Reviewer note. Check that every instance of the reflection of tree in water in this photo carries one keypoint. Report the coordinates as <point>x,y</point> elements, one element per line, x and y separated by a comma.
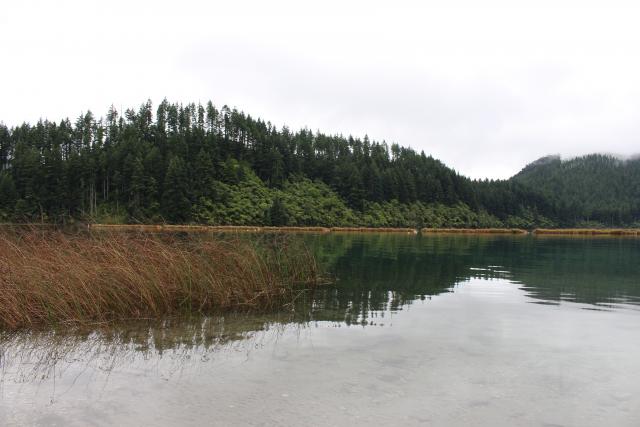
<point>601,271</point>
<point>381,272</point>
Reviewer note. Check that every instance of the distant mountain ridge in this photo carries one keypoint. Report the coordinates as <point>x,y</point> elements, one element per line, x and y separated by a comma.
<point>594,187</point>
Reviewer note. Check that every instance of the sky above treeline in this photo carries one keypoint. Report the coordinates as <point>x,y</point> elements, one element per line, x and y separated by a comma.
<point>484,86</point>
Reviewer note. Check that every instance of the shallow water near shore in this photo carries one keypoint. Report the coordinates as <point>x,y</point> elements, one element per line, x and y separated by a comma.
<point>436,330</point>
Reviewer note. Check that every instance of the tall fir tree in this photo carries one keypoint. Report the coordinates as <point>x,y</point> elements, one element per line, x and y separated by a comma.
<point>176,203</point>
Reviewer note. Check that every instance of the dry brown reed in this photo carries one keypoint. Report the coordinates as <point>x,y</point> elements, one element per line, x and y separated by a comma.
<point>373,230</point>
<point>205,228</point>
<point>474,230</point>
<point>238,228</point>
<point>271,229</point>
<point>151,228</point>
<point>51,277</point>
<point>588,231</point>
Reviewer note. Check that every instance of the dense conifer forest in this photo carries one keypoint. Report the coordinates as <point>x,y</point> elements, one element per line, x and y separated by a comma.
<point>199,164</point>
<point>593,191</point>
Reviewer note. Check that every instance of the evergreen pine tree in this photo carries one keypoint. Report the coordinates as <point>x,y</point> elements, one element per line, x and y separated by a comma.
<point>278,214</point>
<point>176,204</point>
<point>7,195</point>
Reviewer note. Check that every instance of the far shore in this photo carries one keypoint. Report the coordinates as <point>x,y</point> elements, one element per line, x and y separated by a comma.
<point>474,230</point>
<point>588,231</point>
<point>156,228</point>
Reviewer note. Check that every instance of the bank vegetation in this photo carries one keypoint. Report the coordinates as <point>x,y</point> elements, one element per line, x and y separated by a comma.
<point>51,277</point>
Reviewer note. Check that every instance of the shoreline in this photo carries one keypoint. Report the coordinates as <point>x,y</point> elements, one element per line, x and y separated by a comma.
<point>473,231</point>
<point>159,228</point>
<point>586,232</point>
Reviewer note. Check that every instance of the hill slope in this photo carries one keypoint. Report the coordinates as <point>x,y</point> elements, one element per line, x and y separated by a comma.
<point>595,187</point>
<point>197,163</point>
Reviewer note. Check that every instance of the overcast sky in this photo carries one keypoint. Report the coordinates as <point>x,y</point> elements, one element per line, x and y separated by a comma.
<point>484,86</point>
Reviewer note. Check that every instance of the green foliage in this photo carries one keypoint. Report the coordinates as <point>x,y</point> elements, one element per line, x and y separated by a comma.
<point>175,199</point>
<point>7,195</point>
<point>106,214</point>
<point>595,189</point>
<point>242,203</point>
<point>418,215</point>
<point>315,204</point>
<point>200,164</point>
<point>277,214</point>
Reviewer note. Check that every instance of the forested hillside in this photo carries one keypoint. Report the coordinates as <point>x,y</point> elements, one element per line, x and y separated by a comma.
<point>600,189</point>
<point>199,164</point>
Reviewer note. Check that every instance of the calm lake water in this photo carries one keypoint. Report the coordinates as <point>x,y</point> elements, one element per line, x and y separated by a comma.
<point>438,330</point>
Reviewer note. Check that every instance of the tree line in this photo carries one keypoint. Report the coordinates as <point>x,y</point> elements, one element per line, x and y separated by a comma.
<point>197,163</point>
<point>594,190</point>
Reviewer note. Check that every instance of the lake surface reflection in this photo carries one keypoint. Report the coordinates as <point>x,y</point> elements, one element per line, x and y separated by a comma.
<point>438,330</point>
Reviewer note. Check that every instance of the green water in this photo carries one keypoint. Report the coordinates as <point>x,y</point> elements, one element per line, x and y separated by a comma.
<point>394,270</point>
<point>437,330</point>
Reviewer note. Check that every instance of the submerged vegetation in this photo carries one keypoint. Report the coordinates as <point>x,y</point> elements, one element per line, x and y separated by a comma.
<point>52,277</point>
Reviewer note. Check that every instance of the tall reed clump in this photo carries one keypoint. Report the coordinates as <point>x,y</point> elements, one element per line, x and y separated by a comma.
<point>52,277</point>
